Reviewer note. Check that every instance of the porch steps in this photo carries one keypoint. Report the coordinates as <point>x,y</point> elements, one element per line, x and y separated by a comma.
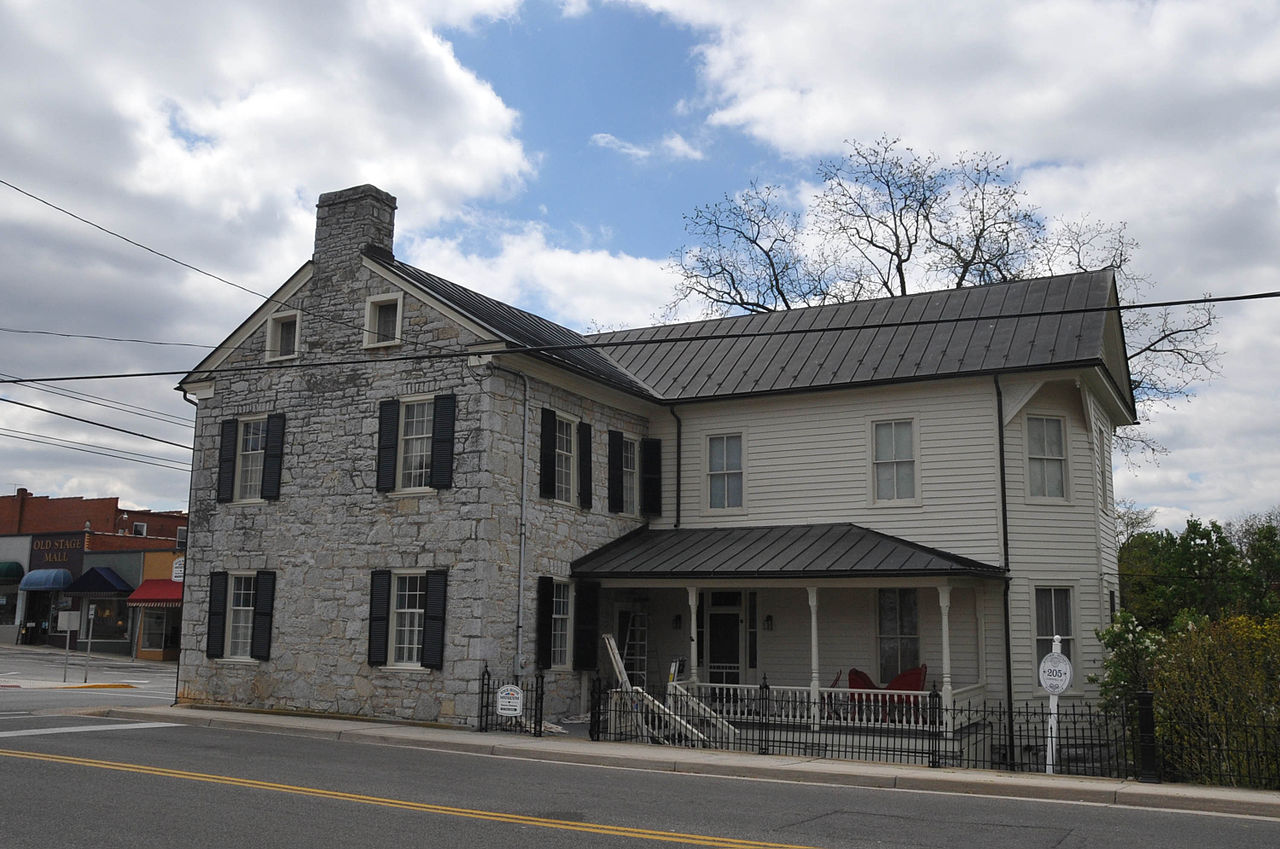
<point>650,718</point>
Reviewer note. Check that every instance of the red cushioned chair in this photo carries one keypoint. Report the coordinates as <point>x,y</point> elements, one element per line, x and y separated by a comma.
<point>906,708</point>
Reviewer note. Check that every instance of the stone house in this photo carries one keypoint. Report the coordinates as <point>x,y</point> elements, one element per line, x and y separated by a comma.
<point>398,481</point>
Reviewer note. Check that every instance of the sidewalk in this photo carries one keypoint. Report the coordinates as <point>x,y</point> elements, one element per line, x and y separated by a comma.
<point>1105,791</point>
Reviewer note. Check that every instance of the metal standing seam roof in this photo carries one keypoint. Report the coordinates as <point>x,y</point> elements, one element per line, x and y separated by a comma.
<point>521,328</point>
<point>777,551</point>
<point>976,330</point>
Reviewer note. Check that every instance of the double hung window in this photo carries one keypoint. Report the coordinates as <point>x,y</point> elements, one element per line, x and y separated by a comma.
<point>564,460</point>
<point>240,615</point>
<point>894,460</point>
<point>630,476</point>
<point>899,638</point>
<point>724,471</point>
<point>415,444</point>
<point>282,336</point>
<point>251,453</point>
<point>560,607</point>
<point>1046,458</point>
<point>382,318</point>
<point>407,616</point>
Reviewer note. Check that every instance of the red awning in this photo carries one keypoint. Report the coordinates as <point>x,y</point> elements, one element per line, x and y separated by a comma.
<point>157,592</point>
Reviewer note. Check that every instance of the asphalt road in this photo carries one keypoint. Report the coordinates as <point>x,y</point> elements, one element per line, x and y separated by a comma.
<point>86,781</point>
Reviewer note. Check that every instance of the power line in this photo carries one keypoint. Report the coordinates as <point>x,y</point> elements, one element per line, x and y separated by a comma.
<point>189,266</point>
<point>109,403</point>
<point>96,424</point>
<point>670,340</point>
<point>105,338</point>
<point>45,437</point>
<point>186,469</point>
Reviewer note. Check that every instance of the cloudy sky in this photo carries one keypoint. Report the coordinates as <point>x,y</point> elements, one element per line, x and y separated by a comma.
<point>544,153</point>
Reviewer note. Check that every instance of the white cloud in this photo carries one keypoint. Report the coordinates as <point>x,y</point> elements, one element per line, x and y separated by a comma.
<point>580,289</point>
<point>611,142</point>
<point>672,146</point>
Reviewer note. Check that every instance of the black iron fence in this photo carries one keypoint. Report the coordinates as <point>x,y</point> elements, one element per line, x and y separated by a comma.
<point>512,704</point>
<point>911,730</point>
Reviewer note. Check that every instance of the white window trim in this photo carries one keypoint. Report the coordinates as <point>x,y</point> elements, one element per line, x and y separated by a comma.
<point>1065,498</point>
<point>371,305</point>
<point>568,624</point>
<point>237,497</point>
<point>1074,607</point>
<point>393,616</point>
<point>635,483</point>
<point>707,509</point>
<point>573,421</point>
<point>231,595</point>
<point>273,335</point>
<point>404,402</point>
<point>134,529</point>
<point>872,501</point>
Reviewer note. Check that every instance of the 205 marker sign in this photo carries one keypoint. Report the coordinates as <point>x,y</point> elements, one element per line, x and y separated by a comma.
<point>1055,673</point>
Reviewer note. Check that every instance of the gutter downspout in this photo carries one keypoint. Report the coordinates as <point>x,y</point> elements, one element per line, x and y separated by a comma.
<point>517,662</point>
<point>679,463</point>
<point>1004,533</point>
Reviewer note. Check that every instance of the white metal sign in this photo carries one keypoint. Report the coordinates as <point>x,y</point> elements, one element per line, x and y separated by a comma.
<point>510,701</point>
<point>1055,673</point>
<point>179,568</point>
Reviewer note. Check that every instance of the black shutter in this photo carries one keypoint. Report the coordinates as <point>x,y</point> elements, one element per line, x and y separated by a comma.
<point>379,615</point>
<point>586,625</point>
<point>443,411</point>
<point>651,477</point>
<point>264,601</point>
<point>217,635</point>
<point>227,460</point>
<point>273,457</point>
<point>433,620</point>
<point>615,471</point>
<point>547,455</point>
<point>388,442</point>
<point>584,465</point>
<point>546,604</point>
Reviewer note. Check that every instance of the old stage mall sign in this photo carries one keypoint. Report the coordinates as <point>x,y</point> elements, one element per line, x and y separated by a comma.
<point>58,551</point>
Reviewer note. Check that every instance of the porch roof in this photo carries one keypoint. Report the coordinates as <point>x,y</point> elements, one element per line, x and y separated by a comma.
<point>779,551</point>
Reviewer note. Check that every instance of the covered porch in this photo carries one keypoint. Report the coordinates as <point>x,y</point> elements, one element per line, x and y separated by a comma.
<point>826,625</point>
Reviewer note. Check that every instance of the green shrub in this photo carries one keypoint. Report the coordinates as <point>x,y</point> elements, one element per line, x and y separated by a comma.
<point>1217,699</point>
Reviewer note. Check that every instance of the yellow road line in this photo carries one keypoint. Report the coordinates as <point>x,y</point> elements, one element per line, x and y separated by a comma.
<point>422,807</point>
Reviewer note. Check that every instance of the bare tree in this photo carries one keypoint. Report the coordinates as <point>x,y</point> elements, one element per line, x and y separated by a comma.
<point>889,221</point>
<point>751,255</point>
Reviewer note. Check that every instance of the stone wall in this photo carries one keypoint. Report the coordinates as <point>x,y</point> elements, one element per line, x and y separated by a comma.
<point>330,528</point>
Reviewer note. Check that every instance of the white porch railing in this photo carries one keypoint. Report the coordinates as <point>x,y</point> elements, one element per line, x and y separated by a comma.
<point>898,709</point>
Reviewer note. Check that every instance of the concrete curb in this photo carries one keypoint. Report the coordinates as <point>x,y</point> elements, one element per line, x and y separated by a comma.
<point>1101,791</point>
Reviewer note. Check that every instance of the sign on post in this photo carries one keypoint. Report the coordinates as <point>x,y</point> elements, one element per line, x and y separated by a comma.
<point>1055,677</point>
<point>510,701</point>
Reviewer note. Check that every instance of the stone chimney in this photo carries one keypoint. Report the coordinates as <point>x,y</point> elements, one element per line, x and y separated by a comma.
<point>351,220</point>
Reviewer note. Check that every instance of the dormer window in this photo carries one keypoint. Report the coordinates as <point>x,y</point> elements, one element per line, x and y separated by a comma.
<point>282,336</point>
<point>382,318</point>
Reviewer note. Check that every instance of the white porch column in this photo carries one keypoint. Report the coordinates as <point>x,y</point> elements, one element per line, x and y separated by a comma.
<point>693,634</point>
<point>944,605</point>
<point>813,655</point>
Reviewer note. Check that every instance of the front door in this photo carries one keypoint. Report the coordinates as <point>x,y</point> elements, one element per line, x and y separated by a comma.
<point>724,638</point>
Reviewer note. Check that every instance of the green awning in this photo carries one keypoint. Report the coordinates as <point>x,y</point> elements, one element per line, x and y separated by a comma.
<point>11,572</point>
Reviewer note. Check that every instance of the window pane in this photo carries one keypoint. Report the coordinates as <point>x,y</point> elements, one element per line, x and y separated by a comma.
<point>1054,485</point>
<point>884,482</point>
<point>888,600</point>
<point>715,454</point>
<point>288,332</point>
<point>1035,469</point>
<point>733,453</point>
<point>252,443</point>
<point>903,448</point>
<point>717,491</point>
<point>884,441</point>
<point>906,479</point>
<point>907,613</point>
<point>733,494</point>
<point>628,476</point>
<point>386,322</point>
<point>560,625</point>
<point>1062,611</point>
<point>1053,438</point>
<point>1035,437</point>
